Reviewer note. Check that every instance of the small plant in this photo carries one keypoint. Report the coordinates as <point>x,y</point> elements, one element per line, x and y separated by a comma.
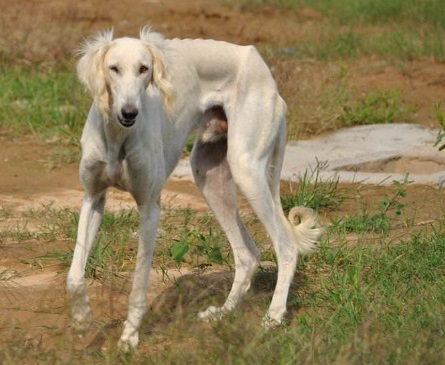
<point>392,202</point>
<point>201,247</point>
<point>311,191</point>
<point>112,252</point>
<point>377,107</point>
<point>5,212</point>
<point>18,233</point>
<point>379,219</point>
<point>189,145</point>
<point>440,117</point>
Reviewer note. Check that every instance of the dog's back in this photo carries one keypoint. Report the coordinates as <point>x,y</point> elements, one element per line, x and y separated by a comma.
<point>214,60</point>
<point>223,69</point>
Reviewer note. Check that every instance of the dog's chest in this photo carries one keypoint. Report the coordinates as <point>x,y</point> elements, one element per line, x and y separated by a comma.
<point>116,174</point>
<point>115,167</point>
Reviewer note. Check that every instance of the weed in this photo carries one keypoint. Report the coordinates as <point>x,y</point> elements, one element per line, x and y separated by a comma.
<point>335,108</point>
<point>5,212</point>
<point>392,202</point>
<point>376,107</point>
<point>311,191</point>
<point>378,219</point>
<point>56,223</point>
<point>202,249</point>
<point>166,277</point>
<point>382,12</point>
<point>114,250</point>
<point>111,254</point>
<point>349,303</point>
<point>17,233</point>
<point>440,117</point>
<point>48,103</point>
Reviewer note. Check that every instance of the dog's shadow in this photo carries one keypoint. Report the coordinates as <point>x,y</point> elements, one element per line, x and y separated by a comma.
<point>194,292</point>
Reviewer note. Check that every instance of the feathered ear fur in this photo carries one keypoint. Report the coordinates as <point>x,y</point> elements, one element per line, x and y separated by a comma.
<point>90,67</point>
<point>156,45</point>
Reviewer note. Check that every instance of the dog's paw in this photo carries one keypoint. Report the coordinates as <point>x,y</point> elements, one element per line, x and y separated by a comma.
<point>129,339</point>
<point>82,321</point>
<point>269,323</point>
<point>128,344</point>
<point>212,314</point>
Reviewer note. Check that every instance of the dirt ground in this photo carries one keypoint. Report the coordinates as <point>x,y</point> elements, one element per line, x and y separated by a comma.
<point>34,312</point>
<point>32,296</point>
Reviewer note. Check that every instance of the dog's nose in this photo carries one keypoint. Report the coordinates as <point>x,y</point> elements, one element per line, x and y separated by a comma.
<point>129,112</point>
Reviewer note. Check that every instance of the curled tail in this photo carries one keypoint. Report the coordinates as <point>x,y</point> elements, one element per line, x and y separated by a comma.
<point>306,232</point>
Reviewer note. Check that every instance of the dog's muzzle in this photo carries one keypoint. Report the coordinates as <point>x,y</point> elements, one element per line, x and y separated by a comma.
<point>129,114</point>
<point>127,123</point>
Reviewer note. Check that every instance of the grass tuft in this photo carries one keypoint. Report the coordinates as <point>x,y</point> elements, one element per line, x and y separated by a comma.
<point>380,217</point>
<point>311,191</point>
<point>377,107</point>
<point>46,102</point>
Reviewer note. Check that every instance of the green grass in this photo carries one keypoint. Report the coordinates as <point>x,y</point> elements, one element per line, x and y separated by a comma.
<point>373,12</point>
<point>329,103</point>
<point>406,29</point>
<point>378,218</point>
<point>379,304</point>
<point>377,300</point>
<point>47,102</point>
<point>115,247</point>
<point>195,243</point>
<point>380,11</point>
<point>392,43</point>
<point>314,192</point>
<point>377,107</point>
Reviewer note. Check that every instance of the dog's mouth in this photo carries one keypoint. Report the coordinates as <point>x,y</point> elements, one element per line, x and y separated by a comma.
<point>127,123</point>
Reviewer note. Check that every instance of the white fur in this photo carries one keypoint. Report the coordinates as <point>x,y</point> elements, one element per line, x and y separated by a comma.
<point>149,95</point>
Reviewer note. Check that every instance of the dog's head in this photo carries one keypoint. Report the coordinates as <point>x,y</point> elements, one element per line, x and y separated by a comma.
<point>117,72</point>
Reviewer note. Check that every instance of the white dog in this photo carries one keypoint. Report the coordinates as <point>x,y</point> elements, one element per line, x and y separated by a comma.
<point>149,95</point>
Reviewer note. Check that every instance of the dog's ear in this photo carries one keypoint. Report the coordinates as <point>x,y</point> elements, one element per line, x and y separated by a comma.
<point>156,46</point>
<point>90,68</point>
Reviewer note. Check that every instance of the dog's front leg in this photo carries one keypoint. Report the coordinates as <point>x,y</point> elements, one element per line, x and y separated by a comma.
<point>89,221</point>
<point>137,302</point>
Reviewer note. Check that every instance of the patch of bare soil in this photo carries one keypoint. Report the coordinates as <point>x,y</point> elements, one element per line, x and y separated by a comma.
<point>420,83</point>
<point>401,165</point>
<point>27,182</point>
<point>182,19</point>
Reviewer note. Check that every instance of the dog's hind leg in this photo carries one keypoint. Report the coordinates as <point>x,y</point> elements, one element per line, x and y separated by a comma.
<point>255,163</point>
<point>213,177</point>
<point>89,221</point>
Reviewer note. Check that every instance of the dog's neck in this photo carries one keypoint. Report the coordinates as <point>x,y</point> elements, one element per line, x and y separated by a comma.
<point>115,136</point>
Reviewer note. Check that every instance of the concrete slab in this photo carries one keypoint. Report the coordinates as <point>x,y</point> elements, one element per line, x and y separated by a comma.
<point>374,154</point>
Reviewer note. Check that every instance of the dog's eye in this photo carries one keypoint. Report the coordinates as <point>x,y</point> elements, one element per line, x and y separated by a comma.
<point>114,69</point>
<point>143,69</point>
